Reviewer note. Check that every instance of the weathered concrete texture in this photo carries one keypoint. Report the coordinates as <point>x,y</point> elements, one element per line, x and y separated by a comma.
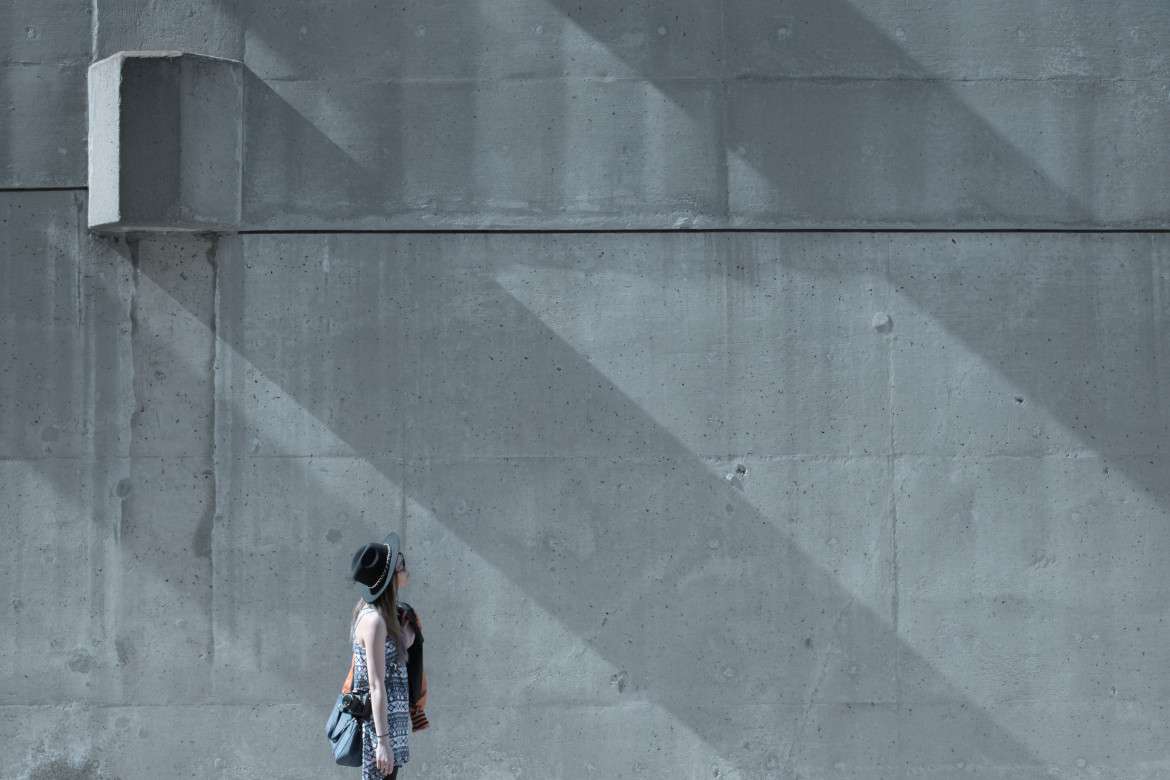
<point>44,51</point>
<point>913,573</point>
<point>64,307</point>
<point>1074,342</point>
<point>76,742</point>
<point>165,138</point>
<point>621,154</point>
<point>417,40</point>
<point>814,114</point>
<point>377,155</point>
<point>741,505</point>
<point>948,40</point>
<point>281,616</point>
<point>981,154</point>
<point>65,383</point>
<point>42,121</point>
<point>565,470</point>
<point>209,27</point>
<point>106,434</point>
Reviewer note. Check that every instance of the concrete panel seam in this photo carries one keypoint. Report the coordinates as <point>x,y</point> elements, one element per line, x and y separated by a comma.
<point>43,189</point>
<point>811,700</point>
<point>1096,230</point>
<point>741,78</point>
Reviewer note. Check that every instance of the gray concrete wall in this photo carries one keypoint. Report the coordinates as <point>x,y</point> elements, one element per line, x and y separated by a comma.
<point>942,558</point>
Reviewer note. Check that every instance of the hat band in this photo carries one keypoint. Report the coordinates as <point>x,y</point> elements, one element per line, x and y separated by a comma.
<point>385,570</point>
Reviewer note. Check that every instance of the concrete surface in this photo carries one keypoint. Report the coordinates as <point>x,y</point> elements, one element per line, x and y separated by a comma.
<point>164,140</point>
<point>742,114</point>
<point>44,53</point>
<point>944,549</point>
<point>737,114</point>
<point>816,504</point>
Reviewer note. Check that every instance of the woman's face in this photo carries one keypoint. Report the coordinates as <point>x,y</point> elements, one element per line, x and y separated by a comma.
<point>401,572</point>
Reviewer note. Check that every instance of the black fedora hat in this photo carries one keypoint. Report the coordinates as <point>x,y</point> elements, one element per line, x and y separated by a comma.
<point>373,566</point>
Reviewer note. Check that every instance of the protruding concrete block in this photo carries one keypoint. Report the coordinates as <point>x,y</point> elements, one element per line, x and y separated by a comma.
<point>165,143</point>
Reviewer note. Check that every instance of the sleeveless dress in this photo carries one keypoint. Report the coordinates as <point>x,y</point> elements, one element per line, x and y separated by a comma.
<point>397,711</point>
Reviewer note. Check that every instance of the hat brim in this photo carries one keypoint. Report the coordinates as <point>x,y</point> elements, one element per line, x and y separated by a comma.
<point>370,596</point>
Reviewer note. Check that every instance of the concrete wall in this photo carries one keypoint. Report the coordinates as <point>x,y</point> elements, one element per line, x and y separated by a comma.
<point>943,555</point>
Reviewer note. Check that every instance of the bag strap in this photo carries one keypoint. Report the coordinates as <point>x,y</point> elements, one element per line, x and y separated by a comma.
<point>348,687</point>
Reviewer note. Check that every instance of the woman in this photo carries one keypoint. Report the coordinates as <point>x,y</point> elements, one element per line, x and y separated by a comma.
<point>387,648</point>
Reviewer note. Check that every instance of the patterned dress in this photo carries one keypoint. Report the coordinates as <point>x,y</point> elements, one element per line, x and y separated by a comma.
<point>397,712</point>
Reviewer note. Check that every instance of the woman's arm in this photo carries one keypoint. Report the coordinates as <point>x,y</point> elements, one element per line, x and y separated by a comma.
<point>373,636</point>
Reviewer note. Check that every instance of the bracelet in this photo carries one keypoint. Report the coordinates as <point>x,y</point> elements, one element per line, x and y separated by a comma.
<point>381,736</point>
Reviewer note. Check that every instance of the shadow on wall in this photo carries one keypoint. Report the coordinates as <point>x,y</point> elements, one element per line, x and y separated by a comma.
<point>918,149</point>
<point>812,118</point>
<point>547,470</point>
<point>487,377</point>
<point>481,384</point>
<point>830,122</point>
<point>839,139</point>
<point>290,164</point>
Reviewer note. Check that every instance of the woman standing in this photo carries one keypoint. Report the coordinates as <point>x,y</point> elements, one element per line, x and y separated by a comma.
<point>385,637</point>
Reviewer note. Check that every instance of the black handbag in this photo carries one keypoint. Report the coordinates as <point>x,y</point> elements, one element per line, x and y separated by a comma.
<point>345,735</point>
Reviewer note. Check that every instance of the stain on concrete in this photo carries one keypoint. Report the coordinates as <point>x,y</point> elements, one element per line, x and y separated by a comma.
<point>64,768</point>
<point>125,487</point>
<point>80,661</point>
<point>201,541</point>
<point>124,648</point>
<point>50,434</point>
<point>333,536</point>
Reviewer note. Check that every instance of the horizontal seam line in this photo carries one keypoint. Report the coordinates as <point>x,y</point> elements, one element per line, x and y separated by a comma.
<point>562,231</point>
<point>740,78</point>
<point>44,189</point>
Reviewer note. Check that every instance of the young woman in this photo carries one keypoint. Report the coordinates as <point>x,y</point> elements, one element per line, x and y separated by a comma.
<point>387,648</point>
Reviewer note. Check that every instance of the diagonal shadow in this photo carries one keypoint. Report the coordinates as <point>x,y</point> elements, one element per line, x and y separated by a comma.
<point>808,120</point>
<point>133,487</point>
<point>291,164</point>
<point>522,448</point>
<point>502,421</point>
<point>600,435</point>
<point>103,455</point>
<point>833,125</point>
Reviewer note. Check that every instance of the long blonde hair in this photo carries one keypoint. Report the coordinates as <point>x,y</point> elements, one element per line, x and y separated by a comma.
<point>387,606</point>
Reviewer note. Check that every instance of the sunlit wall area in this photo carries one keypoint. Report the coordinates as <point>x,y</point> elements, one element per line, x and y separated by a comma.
<point>761,390</point>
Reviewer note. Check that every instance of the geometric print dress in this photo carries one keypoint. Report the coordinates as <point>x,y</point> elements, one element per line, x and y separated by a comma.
<point>397,711</point>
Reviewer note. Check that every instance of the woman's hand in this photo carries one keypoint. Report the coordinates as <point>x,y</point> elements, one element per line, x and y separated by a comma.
<point>385,757</point>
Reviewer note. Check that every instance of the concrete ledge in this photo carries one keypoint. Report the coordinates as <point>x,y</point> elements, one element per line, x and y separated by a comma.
<point>165,143</point>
